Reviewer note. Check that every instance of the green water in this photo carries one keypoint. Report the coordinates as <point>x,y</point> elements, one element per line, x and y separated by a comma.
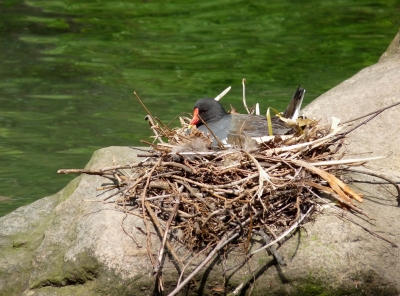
<point>68,70</point>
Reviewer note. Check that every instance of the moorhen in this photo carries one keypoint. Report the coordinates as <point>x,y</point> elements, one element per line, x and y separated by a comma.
<point>227,127</point>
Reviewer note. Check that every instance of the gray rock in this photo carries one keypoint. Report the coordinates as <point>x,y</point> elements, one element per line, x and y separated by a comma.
<point>21,233</point>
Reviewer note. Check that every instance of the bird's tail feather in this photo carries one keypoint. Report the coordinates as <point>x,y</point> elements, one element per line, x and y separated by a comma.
<point>293,109</point>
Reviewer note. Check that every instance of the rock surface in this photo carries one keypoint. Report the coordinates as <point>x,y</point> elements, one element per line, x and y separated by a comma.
<point>74,243</point>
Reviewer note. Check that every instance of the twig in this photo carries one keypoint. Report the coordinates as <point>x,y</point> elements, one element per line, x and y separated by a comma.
<point>146,206</point>
<point>368,230</point>
<point>194,194</point>
<point>131,236</point>
<point>261,268</point>
<point>345,161</point>
<point>80,171</point>
<point>217,98</point>
<point>295,225</point>
<point>362,123</point>
<point>244,95</point>
<point>228,237</point>
<point>381,177</point>
<point>143,105</point>
<point>160,230</point>
<point>149,163</point>
<point>227,185</point>
<point>380,111</point>
<point>343,216</point>
<point>220,144</point>
<point>263,176</point>
<point>157,269</point>
<point>215,213</point>
<point>309,145</point>
<point>138,180</point>
<point>149,118</point>
<point>267,240</point>
<point>186,265</point>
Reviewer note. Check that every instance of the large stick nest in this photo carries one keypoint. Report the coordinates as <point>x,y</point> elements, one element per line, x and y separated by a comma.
<point>212,191</point>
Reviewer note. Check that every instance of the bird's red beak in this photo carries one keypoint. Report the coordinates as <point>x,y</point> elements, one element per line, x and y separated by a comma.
<point>195,118</point>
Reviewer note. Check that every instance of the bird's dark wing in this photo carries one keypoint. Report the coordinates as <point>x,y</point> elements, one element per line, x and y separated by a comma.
<point>256,126</point>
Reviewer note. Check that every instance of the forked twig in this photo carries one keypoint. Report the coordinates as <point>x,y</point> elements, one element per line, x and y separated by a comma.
<point>381,177</point>
<point>380,111</point>
<point>342,215</point>
<point>295,225</point>
<point>374,114</point>
<point>149,118</point>
<point>223,242</point>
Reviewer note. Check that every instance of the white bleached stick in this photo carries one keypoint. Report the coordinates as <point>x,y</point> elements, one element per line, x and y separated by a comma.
<point>346,161</point>
<point>217,98</point>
